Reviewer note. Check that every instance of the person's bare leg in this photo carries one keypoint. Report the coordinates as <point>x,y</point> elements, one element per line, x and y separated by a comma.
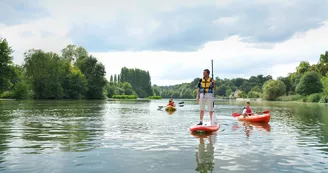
<point>201,115</point>
<point>211,115</point>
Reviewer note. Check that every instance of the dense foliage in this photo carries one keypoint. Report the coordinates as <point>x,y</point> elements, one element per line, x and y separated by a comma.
<point>75,74</point>
<point>139,79</point>
<point>273,89</point>
<point>6,68</point>
<point>225,87</point>
<point>72,75</point>
<point>307,83</point>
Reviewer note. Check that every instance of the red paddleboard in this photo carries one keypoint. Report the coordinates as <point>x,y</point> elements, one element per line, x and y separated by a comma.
<point>205,128</point>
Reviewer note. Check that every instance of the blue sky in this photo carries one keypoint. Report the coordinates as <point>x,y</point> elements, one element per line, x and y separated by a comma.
<point>174,40</point>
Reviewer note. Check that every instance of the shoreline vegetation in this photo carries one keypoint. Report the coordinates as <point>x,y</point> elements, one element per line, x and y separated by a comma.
<point>75,74</point>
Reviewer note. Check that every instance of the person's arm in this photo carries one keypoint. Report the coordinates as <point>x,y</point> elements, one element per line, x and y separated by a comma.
<point>244,111</point>
<point>214,86</point>
<point>198,94</point>
<point>198,91</point>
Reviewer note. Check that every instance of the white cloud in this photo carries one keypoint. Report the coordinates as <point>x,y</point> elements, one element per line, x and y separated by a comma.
<point>226,20</point>
<point>21,42</point>
<point>232,58</point>
<point>228,54</point>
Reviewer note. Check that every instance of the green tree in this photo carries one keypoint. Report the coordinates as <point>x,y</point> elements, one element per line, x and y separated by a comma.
<point>72,53</point>
<point>287,82</point>
<point>228,92</point>
<point>5,65</point>
<point>128,89</point>
<point>303,67</point>
<point>253,94</point>
<point>324,82</point>
<point>75,84</point>
<point>115,78</point>
<point>238,82</point>
<point>156,91</point>
<point>111,78</point>
<point>324,58</point>
<point>20,85</point>
<point>95,75</point>
<point>257,89</point>
<point>273,89</point>
<point>246,86</point>
<point>322,66</point>
<point>221,90</point>
<point>310,83</point>
<point>139,79</point>
<point>46,72</point>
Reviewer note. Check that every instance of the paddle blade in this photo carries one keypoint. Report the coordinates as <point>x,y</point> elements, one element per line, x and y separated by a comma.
<point>181,103</point>
<point>266,111</point>
<point>236,114</point>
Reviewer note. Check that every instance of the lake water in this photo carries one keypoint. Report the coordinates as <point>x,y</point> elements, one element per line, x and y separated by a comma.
<point>135,137</point>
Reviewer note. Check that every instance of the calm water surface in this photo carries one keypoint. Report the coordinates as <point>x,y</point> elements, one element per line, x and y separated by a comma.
<point>133,136</point>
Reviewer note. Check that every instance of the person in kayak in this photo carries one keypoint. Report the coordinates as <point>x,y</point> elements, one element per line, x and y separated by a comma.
<point>247,110</point>
<point>205,95</point>
<point>171,103</point>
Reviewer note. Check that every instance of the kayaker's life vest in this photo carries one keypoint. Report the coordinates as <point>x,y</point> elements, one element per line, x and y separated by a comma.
<point>171,104</point>
<point>248,110</point>
<point>206,86</point>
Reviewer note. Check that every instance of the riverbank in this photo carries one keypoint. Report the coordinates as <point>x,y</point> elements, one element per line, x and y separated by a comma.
<point>6,99</point>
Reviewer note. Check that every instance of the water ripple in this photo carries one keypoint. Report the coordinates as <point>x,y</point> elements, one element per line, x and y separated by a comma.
<point>136,137</point>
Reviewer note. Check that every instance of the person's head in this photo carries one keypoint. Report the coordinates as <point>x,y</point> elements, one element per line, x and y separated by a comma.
<point>171,100</point>
<point>247,104</point>
<point>206,72</point>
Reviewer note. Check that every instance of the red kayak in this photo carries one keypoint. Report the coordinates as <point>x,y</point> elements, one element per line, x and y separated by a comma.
<point>204,128</point>
<point>264,118</point>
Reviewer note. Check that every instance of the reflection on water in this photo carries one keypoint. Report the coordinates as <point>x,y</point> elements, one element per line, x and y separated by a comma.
<point>133,136</point>
<point>205,154</point>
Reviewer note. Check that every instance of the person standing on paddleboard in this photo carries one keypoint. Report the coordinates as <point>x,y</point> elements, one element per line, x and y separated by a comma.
<point>205,95</point>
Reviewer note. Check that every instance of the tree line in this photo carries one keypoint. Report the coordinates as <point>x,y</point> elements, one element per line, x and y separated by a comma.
<point>251,87</point>
<point>309,83</point>
<point>73,74</point>
<point>139,80</point>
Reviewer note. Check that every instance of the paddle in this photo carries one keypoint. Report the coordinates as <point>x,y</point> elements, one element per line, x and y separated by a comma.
<point>236,114</point>
<point>180,105</point>
<point>214,84</point>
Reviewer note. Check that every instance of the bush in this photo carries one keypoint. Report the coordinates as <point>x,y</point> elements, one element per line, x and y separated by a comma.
<point>296,97</point>
<point>324,99</point>
<point>254,94</point>
<point>273,89</point>
<point>316,97</point>
<point>124,96</point>
<point>310,83</point>
<point>154,97</point>
<point>8,95</point>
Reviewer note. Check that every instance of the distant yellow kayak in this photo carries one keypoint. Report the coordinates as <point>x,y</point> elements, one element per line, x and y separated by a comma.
<point>170,108</point>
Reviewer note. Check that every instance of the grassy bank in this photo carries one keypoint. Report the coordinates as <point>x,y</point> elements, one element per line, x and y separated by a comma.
<point>124,97</point>
<point>313,98</point>
<point>155,97</point>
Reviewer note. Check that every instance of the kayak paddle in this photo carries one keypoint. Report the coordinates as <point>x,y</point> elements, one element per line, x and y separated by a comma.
<point>236,114</point>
